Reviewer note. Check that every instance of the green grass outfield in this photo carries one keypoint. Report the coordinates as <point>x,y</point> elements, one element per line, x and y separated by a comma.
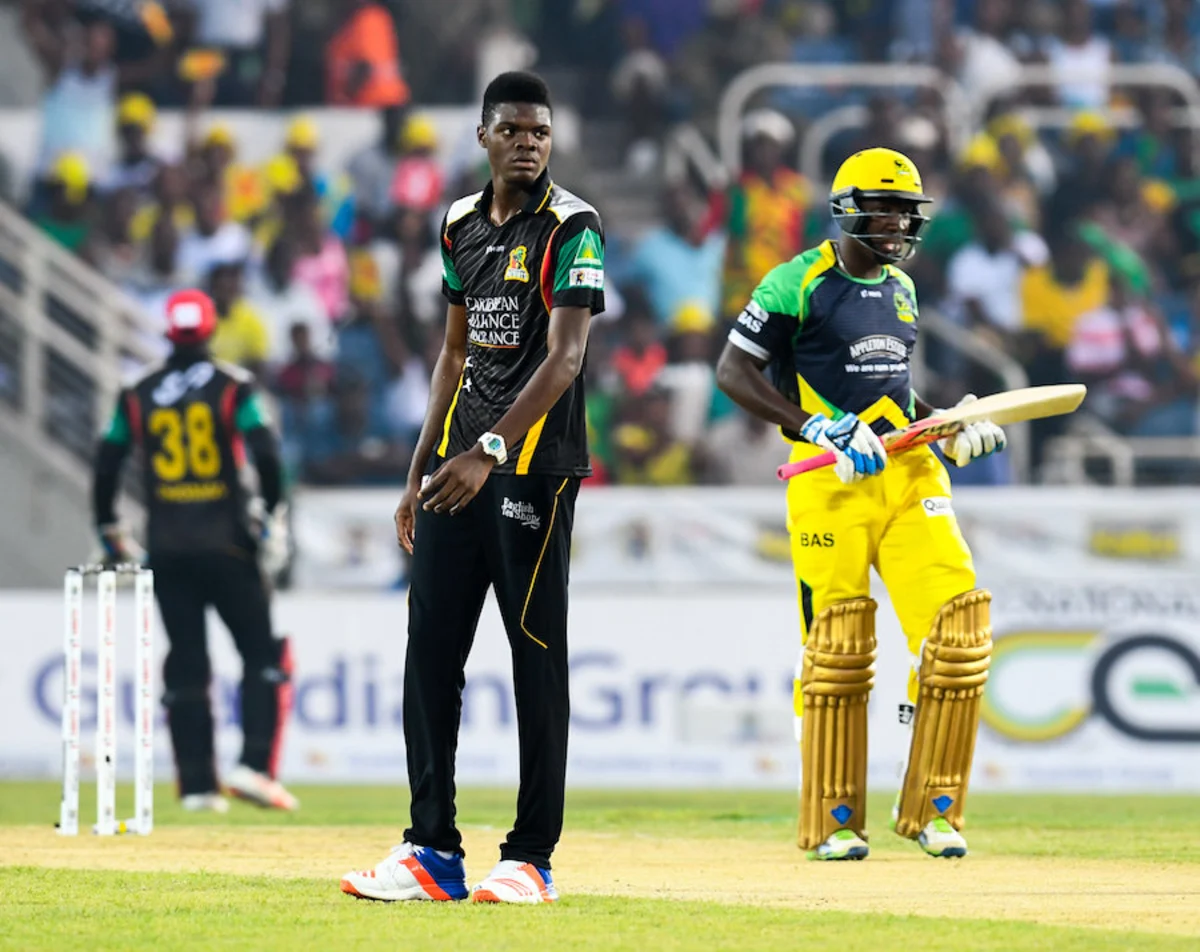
<point>645,871</point>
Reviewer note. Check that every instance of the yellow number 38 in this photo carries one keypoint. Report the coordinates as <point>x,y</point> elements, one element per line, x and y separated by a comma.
<point>187,443</point>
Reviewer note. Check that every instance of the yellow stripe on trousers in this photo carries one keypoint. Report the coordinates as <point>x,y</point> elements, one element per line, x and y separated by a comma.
<point>529,446</point>
<point>442,447</point>
<point>538,566</point>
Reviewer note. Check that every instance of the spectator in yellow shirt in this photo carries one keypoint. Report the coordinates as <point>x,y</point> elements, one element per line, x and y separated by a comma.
<point>241,337</point>
<point>1053,299</point>
<point>1055,296</point>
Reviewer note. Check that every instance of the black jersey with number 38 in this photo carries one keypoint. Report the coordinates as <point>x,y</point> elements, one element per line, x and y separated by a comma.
<point>509,277</point>
<point>188,417</point>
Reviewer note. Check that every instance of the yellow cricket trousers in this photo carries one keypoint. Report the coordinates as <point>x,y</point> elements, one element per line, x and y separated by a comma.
<point>901,522</point>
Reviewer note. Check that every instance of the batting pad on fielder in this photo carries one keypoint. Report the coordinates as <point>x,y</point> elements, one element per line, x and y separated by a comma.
<point>954,668</point>
<point>837,673</point>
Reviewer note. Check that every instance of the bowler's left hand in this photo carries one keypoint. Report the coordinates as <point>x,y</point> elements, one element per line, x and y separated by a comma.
<point>456,482</point>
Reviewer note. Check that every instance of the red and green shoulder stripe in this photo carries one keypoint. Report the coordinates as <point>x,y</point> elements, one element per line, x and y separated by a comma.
<point>573,267</point>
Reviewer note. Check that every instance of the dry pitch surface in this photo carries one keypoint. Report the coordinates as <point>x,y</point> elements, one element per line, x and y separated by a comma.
<point>1140,896</point>
<point>1105,865</point>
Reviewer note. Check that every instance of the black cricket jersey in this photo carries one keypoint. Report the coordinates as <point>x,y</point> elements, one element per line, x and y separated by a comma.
<point>835,344</point>
<point>509,277</point>
<point>187,416</point>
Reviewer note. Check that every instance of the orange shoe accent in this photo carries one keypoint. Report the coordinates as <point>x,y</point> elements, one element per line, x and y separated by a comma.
<point>427,882</point>
<point>484,895</point>
<point>533,873</point>
<point>348,888</point>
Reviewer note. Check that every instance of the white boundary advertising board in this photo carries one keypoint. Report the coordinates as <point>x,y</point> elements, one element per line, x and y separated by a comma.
<point>686,682</point>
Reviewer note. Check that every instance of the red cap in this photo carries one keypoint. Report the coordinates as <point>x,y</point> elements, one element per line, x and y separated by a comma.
<point>191,317</point>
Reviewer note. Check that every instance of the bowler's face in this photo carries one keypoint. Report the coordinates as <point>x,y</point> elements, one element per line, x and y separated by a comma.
<point>518,142</point>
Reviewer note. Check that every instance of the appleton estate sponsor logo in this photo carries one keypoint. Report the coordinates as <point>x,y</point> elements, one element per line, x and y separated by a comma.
<point>878,354</point>
<point>494,321</point>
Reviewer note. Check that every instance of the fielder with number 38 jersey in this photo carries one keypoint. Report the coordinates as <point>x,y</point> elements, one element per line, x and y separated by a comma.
<point>836,327</point>
<point>192,418</point>
<point>509,278</point>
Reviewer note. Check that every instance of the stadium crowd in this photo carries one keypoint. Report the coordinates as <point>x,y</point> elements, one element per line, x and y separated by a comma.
<point>1073,247</point>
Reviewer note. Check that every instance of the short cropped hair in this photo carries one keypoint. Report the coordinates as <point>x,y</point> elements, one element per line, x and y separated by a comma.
<point>515,87</point>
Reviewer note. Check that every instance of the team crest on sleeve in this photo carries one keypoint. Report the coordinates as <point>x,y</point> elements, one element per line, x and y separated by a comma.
<point>904,308</point>
<point>517,269</point>
<point>587,268</point>
<point>590,253</point>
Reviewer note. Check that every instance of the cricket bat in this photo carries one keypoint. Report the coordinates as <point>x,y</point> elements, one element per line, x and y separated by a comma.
<point>1011,406</point>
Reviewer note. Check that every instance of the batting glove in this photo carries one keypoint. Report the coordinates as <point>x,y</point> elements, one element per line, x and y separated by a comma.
<point>975,440</point>
<point>859,451</point>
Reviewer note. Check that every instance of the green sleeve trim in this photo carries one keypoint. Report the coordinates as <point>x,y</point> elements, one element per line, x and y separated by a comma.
<point>453,282</point>
<point>787,288</point>
<point>806,293</point>
<point>251,414</point>
<point>580,254</point>
<point>118,430</point>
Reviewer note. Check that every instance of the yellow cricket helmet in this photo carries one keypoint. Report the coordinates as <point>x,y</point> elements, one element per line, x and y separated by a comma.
<point>878,174</point>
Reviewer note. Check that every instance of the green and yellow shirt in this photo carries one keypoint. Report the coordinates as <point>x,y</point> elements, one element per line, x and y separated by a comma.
<point>835,344</point>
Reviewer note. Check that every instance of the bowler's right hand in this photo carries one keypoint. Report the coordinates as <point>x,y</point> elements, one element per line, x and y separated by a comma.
<point>406,517</point>
<point>859,451</point>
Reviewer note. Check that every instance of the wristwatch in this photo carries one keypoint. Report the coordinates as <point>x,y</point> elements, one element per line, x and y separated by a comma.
<point>493,444</point>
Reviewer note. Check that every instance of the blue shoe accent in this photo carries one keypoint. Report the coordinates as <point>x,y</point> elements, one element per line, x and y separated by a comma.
<point>943,803</point>
<point>841,813</point>
<point>449,874</point>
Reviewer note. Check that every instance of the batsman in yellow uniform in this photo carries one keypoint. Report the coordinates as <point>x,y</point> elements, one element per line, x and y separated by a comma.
<point>835,329</point>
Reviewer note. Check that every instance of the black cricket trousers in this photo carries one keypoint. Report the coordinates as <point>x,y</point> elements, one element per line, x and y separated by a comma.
<point>184,586</point>
<point>514,536</point>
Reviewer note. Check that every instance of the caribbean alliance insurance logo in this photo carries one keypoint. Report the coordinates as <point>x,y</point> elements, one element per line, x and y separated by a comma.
<point>1044,685</point>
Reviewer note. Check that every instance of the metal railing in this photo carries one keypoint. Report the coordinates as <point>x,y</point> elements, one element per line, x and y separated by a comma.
<point>972,345</point>
<point>65,332</point>
<point>1142,75</point>
<point>1123,455</point>
<point>747,84</point>
<point>812,143</point>
<point>684,147</point>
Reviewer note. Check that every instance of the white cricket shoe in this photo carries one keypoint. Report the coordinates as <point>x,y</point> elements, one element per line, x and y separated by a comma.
<point>204,803</point>
<point>940,839</point>
<point>410,872</point>
<point>255,787</point>
<point>843,844</point>
<point>513,881</point>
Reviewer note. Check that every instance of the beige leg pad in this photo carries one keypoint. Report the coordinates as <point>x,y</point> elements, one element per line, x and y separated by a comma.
<point>954,668</point>
<point>836,677</point>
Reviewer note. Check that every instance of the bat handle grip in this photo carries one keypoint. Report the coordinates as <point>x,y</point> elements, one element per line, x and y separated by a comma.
<point>788,470</point>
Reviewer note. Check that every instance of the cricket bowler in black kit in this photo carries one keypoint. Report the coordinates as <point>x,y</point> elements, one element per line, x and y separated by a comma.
<point>192,418</point>
<point>490,498</point>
